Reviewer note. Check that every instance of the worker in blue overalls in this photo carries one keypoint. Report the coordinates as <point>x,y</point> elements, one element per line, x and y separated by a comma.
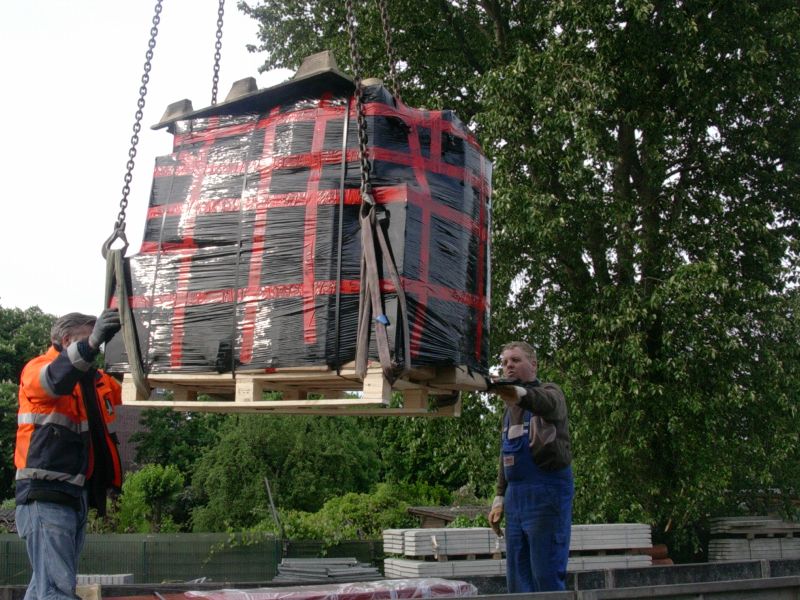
<point>534,484</point>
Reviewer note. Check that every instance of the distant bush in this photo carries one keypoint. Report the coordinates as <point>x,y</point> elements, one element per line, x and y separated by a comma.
<point>359,516</point>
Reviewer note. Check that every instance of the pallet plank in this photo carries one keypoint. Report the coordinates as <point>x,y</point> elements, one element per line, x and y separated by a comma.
<point>369,397</point>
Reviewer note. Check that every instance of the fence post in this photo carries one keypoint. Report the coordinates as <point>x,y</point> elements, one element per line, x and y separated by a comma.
<point>145,565</point>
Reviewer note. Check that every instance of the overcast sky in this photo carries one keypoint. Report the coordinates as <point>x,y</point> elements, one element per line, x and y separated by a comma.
<point>72,72</point>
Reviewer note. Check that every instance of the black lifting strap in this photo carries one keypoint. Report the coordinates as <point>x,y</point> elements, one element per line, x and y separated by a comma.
<point>373,239</point>
<point>370,304</point>
<point>116,283</point>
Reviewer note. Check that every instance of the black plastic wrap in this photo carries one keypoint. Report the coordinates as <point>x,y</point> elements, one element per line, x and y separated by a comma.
<point>241,258</point>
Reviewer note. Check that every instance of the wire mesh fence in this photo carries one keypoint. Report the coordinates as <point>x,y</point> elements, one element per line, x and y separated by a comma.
<point>159,558</point>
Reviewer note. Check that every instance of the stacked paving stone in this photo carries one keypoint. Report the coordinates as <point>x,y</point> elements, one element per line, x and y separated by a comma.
<point>477,551</point>
<point>745,538</point>
<point>325,570</point>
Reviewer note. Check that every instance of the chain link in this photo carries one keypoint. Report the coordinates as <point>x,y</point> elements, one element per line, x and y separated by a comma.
<point>390,56</point>
<point>119,226</point>
<point>217,54</point>
<point>355,57</point>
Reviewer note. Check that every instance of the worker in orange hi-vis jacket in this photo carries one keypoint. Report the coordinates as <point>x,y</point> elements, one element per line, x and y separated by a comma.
<point>66,449</point>
<point>534,484</point>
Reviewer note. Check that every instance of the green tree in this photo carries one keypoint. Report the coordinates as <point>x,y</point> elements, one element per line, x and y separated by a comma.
<point>24,334</point>
<point>8,430</point>
<point>148,497</point>
<point>170,437</point>
<point>361,516</point>
<point>645,222</point>
<point>307,460</point>
<point>647,160</point>
<point>453,453</point>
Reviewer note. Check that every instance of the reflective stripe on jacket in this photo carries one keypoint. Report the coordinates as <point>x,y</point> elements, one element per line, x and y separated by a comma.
<point>54,450</point>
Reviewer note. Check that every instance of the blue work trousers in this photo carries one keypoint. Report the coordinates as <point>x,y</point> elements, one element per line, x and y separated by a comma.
<point>54,535</point>
<point>538,523</point>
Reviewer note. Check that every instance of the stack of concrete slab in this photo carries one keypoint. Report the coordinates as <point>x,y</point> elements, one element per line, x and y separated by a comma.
<point>610,536</point>
<point>108,579</point>
<point>609,546</point>
<point>746,538</point>
<point>478,551</point>
<point>324,570</point>
<point>443,552</point>
<point>406,568</point>
<point>452,542</point>
<point>393,540</point>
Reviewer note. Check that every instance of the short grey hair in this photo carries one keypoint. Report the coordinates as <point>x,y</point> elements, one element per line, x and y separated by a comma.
<point>67,325</point>
<point>526,348</point>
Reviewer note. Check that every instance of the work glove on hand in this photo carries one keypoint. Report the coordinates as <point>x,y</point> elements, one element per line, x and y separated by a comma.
<point>108,323</point>
<point>511,394</point>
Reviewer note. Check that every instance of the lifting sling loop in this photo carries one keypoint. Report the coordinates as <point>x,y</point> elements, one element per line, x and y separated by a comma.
<point>373,236</point>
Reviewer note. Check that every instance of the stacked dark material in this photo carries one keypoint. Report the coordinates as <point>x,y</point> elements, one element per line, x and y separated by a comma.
<point>324,570</point>
<point>243,266</point>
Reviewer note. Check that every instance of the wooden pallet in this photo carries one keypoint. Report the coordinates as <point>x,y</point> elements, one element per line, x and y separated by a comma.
<point>426,391</point>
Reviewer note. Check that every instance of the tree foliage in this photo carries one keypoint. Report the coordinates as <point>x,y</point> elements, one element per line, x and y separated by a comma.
<point>8,430</point>
<point>148,497</point>
<point>454,453</point>
<point>307,461</point>
<point>649,172</point>
<point>169,437</point>
<point>645,222</point>
<point>24,334</point>
<point>359,516</point>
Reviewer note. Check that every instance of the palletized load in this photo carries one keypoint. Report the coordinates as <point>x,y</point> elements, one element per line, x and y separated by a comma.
<point>251,258</point>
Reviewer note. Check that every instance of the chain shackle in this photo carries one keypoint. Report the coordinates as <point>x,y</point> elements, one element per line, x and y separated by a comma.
<point>217,53</point>
<point>119,225</point>
<point>355,57</point>
<point>390,54</point>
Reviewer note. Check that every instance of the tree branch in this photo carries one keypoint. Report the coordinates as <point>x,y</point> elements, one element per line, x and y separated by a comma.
<point>447,12</point>
<point>623,194</point>
<point>494,11</point>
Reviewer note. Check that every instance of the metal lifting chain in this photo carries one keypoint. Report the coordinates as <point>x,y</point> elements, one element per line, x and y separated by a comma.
<point>355,57</point>
<point>374,249</point>
<point>217,55</point>
<point>387,38</point>
<point>119,226</point>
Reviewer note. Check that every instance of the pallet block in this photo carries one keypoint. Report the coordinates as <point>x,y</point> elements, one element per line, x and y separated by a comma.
<point>341,393</point>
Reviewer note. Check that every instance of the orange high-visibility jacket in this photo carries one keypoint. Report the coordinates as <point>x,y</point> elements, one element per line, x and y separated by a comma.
<point>54,446</point>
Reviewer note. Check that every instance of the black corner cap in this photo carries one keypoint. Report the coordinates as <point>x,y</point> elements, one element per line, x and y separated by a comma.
<point>318,73</point>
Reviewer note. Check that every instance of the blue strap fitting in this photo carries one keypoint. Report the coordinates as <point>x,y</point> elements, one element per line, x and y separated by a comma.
<point>382,319</point>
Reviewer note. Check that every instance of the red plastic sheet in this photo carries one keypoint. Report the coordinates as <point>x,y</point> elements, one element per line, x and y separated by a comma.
<point>390,589</point>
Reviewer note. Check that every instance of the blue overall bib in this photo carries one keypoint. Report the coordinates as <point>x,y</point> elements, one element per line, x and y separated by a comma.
<point>538,510</point>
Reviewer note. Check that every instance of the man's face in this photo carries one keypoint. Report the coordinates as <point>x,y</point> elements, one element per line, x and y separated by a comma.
<point>78,334</point>
<point>516,365</point>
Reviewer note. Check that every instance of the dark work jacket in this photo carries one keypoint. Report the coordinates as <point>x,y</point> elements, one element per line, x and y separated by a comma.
<point>65,430</point>
<point>549,428</point>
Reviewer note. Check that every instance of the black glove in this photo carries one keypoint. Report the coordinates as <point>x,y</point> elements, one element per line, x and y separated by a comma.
<point>107,325</point>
